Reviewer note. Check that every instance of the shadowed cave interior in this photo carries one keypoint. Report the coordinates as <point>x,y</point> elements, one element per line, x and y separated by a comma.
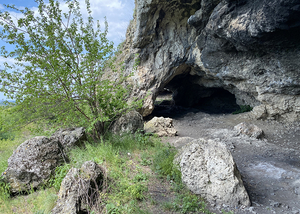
<point>183,94</point>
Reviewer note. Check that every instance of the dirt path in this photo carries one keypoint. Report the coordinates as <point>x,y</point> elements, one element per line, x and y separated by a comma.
<point>270,167</point>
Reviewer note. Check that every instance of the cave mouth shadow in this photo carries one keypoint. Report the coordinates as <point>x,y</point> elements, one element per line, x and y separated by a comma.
<point>220,101</point>
<point>181,102</point>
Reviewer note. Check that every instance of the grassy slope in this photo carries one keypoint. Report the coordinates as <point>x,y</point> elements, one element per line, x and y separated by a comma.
<point>135,165</point>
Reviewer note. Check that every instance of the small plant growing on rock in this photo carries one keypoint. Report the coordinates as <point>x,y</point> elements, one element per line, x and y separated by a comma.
<point>243,108</point>
<point>4,189</point>
<point>60,173</point>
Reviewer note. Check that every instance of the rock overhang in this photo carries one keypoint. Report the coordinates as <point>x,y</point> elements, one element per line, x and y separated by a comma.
<point>243,47</point>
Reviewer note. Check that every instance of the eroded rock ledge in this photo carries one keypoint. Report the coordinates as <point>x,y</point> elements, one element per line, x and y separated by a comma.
<point>249,48</point>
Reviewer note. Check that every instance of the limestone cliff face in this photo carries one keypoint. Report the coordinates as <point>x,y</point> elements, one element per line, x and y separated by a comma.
<point>250,48</point>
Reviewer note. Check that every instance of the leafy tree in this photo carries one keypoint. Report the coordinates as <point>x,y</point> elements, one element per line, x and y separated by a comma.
<point>60,66</point>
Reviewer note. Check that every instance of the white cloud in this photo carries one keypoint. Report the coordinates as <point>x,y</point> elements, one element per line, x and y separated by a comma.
<point>117,12</point>
<point>10,61</point>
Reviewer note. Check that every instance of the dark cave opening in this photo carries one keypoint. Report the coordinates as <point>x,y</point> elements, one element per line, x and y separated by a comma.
<point>220,101</point>
<point>184,94</point>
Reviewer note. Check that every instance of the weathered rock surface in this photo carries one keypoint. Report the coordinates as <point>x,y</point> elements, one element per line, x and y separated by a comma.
<point>208,169</point>
<point>250,48</point>
<point>160,126</point>
<point>182,141</point>
<point>128,123</point>
<point>269,167</point>
<point>32,163</point>
<point>250,130</point>
<point>71,137</point>
<point>80,189</point>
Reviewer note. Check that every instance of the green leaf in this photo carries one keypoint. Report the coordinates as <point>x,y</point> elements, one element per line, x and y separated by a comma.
<point>61,60</point>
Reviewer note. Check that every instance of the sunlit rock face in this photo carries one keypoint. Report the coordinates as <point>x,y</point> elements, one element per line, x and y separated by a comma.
<point>250,48</point>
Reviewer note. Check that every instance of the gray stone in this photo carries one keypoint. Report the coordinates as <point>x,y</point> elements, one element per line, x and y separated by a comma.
<point>260,112</point>
<point>250,130</point>
<point>160,126</point>
<point>70,137</point>
<point>80,189</point>
<point>32,163</point>
<point>297,190</point>
<point>128,123</point>
<point>182,141</point>
<point>208,169</point>
<point>275,204</point>
<point>35,160</point>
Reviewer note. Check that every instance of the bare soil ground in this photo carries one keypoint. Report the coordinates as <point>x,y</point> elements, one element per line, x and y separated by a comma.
<point>270,167</point>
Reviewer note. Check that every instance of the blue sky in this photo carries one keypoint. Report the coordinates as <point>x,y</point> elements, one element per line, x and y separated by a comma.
<point>117,12</point>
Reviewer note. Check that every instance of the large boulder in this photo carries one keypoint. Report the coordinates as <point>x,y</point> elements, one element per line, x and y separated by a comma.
<point>160,126</point>
<point>208,169</point>
<point>128,123</point>
<point>70,137</point>
<point>32,163</point>
<point>80,190</point>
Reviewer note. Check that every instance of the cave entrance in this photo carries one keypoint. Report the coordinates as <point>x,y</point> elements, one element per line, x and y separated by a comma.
<point>184,94</point>
<point>220,101</point>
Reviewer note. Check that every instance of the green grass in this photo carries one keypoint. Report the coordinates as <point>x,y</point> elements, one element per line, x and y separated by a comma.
<point>42,201</point>
<point>127,180</point>
<point>38,202</point>
<point>185,201</point>
<point>128,160</point>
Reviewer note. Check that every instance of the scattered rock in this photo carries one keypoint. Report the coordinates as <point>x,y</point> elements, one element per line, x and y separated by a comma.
<point>208,169</point>
<point>71,137</point>
<point>249,130</point>
<point>80,189</point>
<point>252,210</point>
<point>128,123</point>
<point>35,160</point>
<point>297,190</point>
<point>259,112</point>
<point>160,126</point>
<point>295,211</point>
<point>32,163</point>
<point>275,204</point>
